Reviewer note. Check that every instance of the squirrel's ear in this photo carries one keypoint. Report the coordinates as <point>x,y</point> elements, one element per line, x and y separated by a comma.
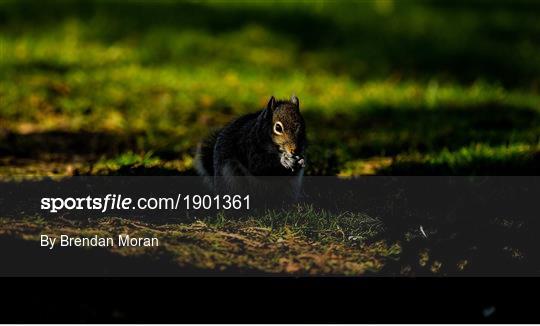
<point>271,104</point>
<point>267,113</point>
<point>295,101</point>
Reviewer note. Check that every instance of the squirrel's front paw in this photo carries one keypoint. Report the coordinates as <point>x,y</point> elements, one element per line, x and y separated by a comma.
<point>292,162</point>
<point>300,162</point>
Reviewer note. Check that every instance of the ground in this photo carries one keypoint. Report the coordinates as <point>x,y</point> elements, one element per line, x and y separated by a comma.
<point>386,88</point>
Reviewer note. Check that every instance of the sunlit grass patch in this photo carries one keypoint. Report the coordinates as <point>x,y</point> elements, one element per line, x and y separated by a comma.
<point>130,163</point>
<point>364,167</point>
<point>308,221</point>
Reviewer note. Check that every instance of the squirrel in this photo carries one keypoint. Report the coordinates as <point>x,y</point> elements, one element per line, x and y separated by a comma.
<point>270,142</point>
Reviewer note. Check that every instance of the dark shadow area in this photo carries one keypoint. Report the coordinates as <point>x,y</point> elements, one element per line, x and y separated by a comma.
<point>484,6</point>
<point>43,67</point>
<point>90,144</point>
<point>391,131</point>
<point>395,130</point>
<point>139,170</point>
<point>41,148</point>
<point>482,226</point>
<point>462,41</point>
<point>527,163</point>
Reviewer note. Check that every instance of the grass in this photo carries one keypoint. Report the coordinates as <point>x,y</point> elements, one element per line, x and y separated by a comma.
<point>227,246</point>
<point>160,81</point>
<point>386,88</point>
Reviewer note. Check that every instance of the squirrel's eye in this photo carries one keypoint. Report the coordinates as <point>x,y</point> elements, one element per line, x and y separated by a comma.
<point>278,128</point>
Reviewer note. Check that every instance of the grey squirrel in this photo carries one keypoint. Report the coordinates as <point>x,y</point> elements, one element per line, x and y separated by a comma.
<point>270,142</point>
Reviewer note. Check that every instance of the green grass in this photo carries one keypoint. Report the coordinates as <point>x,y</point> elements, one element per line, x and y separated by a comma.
<point>316,224</point>
<point>474,160</point>
<point>378,79</point>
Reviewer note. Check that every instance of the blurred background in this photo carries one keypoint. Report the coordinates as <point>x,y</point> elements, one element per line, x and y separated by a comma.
<point>386,87</point>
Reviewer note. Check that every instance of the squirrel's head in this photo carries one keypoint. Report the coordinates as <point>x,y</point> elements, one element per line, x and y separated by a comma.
<point>287,130</point>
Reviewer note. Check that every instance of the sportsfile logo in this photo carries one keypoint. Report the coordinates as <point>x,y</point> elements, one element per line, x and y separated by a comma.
<point>120,202</point>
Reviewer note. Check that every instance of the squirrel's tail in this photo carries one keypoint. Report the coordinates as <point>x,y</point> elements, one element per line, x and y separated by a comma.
<point>204,159</point>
